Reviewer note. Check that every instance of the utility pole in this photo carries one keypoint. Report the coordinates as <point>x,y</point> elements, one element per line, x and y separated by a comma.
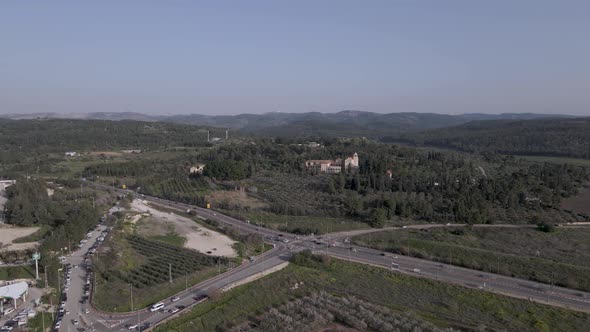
<point>45,271</point>
<point>58,282</point>
<point>131,288</point>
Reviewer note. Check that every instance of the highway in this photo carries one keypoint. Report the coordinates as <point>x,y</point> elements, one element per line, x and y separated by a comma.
<point>287,244</point>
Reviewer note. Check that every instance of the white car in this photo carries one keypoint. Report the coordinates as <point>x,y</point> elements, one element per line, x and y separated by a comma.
<point>132,327</point>
<point>175,299</point>
<point>86,311</point>
<point>173,310</point>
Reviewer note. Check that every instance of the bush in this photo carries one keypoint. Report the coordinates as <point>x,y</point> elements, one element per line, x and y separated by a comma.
<point>546,227</point>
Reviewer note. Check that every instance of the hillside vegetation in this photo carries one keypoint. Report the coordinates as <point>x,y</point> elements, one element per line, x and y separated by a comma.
<point>547,137</point>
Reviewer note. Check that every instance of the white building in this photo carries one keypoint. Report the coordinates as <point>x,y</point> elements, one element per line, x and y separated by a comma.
<point>352,162</point>
<point>197,169</point>
<point>333,166</point>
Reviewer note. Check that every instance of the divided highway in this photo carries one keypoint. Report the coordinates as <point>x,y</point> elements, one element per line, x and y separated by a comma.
<point>287,244</point>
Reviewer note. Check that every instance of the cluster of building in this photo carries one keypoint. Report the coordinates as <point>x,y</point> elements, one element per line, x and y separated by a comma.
<point>348,165</point>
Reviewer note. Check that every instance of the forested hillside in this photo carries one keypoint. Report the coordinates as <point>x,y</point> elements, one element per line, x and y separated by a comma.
<point>32,145</point>
<point>546,137</point>
<point>66,135</point>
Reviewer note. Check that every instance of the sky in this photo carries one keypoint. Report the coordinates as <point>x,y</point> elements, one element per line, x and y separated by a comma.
<point>231,57</point>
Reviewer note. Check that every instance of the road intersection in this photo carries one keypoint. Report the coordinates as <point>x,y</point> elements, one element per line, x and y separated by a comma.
<point>285,245</point>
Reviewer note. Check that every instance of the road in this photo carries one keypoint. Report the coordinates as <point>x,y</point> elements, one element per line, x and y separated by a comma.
<point>287,244</point>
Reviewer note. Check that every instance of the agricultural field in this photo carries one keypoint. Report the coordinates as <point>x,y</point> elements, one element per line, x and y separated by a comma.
<point>561,257</point>
<point>295,194</point>
<point>299,224</point>
<point>145,264</point>
<point>438,304</point>
<point>324,311</point>
<point>558,160</point>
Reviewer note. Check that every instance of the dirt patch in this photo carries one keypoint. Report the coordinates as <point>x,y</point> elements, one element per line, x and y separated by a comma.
<point>579,203</point>
<point>234,199</point>
<point>10,233</point>
<point>106,153</point>
<point>198,238</point>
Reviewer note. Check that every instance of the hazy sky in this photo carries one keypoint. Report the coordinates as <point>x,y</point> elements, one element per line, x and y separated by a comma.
<point>229,57</point>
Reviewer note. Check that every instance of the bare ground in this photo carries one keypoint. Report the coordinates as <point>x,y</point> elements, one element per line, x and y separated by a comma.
<point>197,238</point>
<point>10,233</point>
<point>579,203</point>
<point>234,199</point>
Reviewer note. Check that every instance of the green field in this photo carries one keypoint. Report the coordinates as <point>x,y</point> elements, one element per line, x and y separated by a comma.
<point>299,224</point>
<point>16,272</point>
<point>561,257</point>
<point>558,160</point>
<point>145,264</point>
<point>440,304</point>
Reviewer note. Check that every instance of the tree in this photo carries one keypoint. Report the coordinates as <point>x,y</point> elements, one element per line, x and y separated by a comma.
<point>377,218</point>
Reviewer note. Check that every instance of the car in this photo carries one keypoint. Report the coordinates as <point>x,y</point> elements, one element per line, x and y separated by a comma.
<point>201,297</point>
<point>175,299</point>
<point>132,327</point>
<point>75,322</point>
<point>67,312</point>
<point>173,310</point>
<point>58,324</point>
<point>157,306</point>
<point>86,311</point>
<point>382,254</point>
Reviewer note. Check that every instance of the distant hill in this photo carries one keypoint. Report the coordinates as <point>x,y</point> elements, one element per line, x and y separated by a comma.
<point>564,137</point>
<point>52,135</point>
<point>310,124</point>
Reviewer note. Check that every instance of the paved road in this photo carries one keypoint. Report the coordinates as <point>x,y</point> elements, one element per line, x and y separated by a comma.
<point>534,291</point>
<point>101,321</point>
<point>286,244</point>
<point>76,284</point>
